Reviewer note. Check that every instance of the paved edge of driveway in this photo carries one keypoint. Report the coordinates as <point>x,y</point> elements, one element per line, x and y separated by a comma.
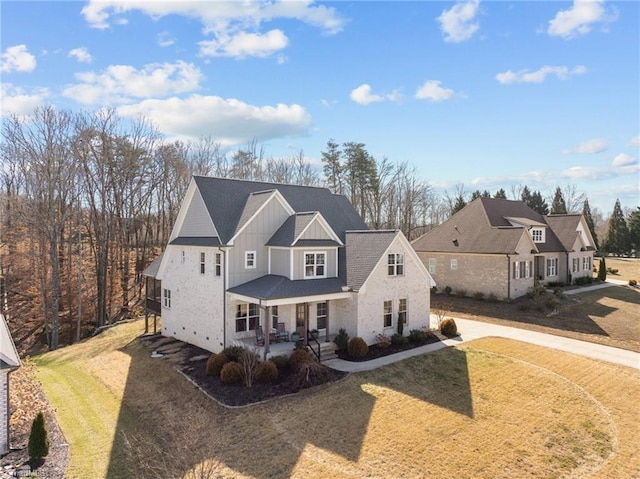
<point>470,330</point>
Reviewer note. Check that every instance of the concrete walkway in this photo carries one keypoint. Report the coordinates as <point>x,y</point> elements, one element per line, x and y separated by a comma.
<point>470,330</point>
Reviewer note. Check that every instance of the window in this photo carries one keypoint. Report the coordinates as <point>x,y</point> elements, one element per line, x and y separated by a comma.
<point>247,315</point>
<point>166,298</point>
<point>537,234</point>
<point>274,317</point>
<point>454,264</point>
<point>527,269</point>
<point>314,265</point>
<point>202,258</point>
<point>402,311</point>
<point>432,265</point>
<point>586,263</point>
<point>249,260</point>
<point>182,257</point>
<point>575,265</point>
<point>516,270</point>
<point>218,264</point>
<point>321,316</point>
<point>395,262</point>
<point>388,314</point>
<point>552,266</point>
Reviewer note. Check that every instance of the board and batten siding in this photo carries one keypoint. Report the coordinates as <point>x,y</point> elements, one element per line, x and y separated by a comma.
<point>330,261</point>
<point>280,260</point>
<point>197,221</point>
<point>315,231</point>
<point>254,238</point>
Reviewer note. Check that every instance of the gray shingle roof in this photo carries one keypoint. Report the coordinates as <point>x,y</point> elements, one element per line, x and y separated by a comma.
<point>364,249</point>
<point>565,228</point>
<point>291,229</point>
<point>152,269</point>
<point>196,241</point>
<point>226,200</point>
<point>273,286</point>
<point>483,227</point>
<point>254,201</point>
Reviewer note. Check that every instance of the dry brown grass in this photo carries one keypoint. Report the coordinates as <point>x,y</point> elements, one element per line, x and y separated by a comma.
<point>628,268</point>
<point>492,408</point>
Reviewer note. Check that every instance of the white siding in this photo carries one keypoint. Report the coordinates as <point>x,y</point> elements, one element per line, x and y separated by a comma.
<point>197,221</point>
<point>315,231</point>
<point>280,262</point>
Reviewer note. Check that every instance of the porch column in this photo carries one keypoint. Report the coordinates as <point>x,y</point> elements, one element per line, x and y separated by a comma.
<point>266,329</point>
<point>306,323</point>
<point>326,321</point>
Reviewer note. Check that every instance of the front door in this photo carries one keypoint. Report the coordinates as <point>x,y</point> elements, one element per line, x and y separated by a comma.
<point>301,313</point>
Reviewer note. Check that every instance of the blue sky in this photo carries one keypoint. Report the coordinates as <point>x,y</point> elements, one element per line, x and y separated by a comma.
<point>485,94</point>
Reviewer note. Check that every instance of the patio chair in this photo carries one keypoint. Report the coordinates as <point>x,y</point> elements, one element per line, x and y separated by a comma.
<point>259,336</point>
<point>282,335</point>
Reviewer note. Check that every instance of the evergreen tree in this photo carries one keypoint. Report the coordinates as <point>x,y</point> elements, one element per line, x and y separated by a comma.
<point>332,166</point>
<point>558,206</point>
<point>525,196</point>
<point>616,240</point>
<point>586,212</point>
<point>459,204</point>
<point>476,194</point>
<point>501,194</point>
<point>38,438</point>
<point>634,230</point>
<point>538,203</point>
<point>602,270</point>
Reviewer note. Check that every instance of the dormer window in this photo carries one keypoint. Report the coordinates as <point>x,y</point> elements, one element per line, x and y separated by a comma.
<point>314,265</point>
<point>537,234</point>
<point>249,260</point>
<point>395,264</point>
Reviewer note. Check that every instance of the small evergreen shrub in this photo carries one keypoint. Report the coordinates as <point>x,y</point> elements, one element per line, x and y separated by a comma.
<point>555,284</point>
<point>478,295</point>
<point>383,341</point>
<point>461,293</point>
<point>522,307</point>
<point>281,362</point>
<point>419,336</point>
<point>357,348</point>
<point>231,373</point>
<point>266,372</point>
<point>342,340</point>
<point>632,282</point>
<point>447,290</point>
<point>233,353</point>
<point>398,339</point>
<point>582,280</point>
<point>552,303</point>
<point>492,298</point>
<point>215,364</point>
<point>448,327</point>
<point>298,358</point>
<point>38,438</point>
<point>400,325</point>
<point>602,270</point>
<point>612,270</point>
<point>434,289</point>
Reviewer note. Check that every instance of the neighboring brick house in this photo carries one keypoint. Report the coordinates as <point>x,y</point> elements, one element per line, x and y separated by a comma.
<point>496,246</point>
<point>9,362</point>
<point>245,254</point>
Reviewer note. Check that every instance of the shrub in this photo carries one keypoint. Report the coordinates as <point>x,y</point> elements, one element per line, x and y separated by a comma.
<point>233,353</point>
<point>400,325</point>
<point>552,303</point>
<point>231,373</point>
<point>38,438</point>
<point>419,336</point>
<point>281,362</point>
<point>342,340</point>
<point>478,295</point>
<point>249,360</point>
<point>298,358</point>
<point>447,290</point>
<point>434,289</point>
<point>398,339</point>
<point>492,298</point>
<point>357,348</point>
<point>612,270</point>
<point>215,364</point>
<point>522,307</point>
<point>582,280</point>
<point>632,282</point>
<point>602,270</point>
<point>449,327</point>
<point>383,341</point>
<point>266,372</point>
<point>555,284</point>
<point>461,293</point>
<point>310,374</point>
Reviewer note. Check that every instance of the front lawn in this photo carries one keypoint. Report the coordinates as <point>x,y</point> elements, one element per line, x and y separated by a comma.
<point>490,408</point>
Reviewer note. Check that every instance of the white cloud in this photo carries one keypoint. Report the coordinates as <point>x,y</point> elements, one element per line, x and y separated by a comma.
<point>363,95</point>
<point>635,141</point>
<point>624,160</point>
<point>165,39</point>
<point>579,19</point>
<point>231,121</point>
<point>538,76</point>
<point>17,59</point>
<point>81,54</point>
<point>234,25</point>
<point>597,145</point>
<point>457,23</point>
<point>123,83</point>
<point>431,90</point>
<point>245,44</point>
<point>15,100</point>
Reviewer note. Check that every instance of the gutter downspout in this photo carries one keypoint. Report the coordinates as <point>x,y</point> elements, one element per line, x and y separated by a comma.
<point>508,277</point>
<point>224,298</point>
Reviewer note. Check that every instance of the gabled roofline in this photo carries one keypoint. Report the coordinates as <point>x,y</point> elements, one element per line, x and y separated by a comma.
<point>325,225</point>
<point>275,194</point>
<point>184,207</point>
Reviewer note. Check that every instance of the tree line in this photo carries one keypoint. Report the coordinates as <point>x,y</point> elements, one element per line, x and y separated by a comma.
<point>89,200</point>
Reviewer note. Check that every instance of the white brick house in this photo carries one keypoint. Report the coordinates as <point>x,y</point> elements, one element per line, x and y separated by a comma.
<point>245,255</point>
<point>9,362</point>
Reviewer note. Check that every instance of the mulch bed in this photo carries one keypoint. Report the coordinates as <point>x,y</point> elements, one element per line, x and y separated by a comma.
<point>376,351</point>
<point>191,360</point>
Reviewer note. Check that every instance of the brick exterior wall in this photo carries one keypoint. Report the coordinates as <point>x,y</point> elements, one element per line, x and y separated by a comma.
<point>4,411</point>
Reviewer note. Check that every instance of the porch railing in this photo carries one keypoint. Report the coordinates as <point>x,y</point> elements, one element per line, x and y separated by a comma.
<point>311,337</point>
